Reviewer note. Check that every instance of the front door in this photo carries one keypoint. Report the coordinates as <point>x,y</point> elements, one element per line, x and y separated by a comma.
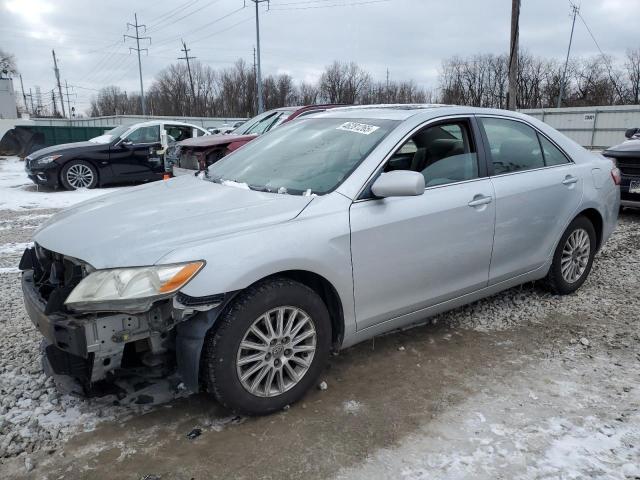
<point>136,156</point>
<point>409,253</point>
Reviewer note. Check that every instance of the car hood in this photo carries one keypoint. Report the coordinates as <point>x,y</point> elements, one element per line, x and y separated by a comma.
<point>66,147</point>
<point>629,147</point>
<point>213,140</point>
<point>142,225</point>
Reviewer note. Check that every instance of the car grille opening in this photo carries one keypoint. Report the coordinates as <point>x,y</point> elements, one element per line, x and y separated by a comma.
<point>629,166</point>
<point>54,276</point>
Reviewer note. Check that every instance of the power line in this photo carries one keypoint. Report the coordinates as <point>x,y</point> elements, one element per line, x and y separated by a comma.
<point>575,9</point>
<point>194,30</point>
<point>604,57</point>
<point>176,20</point>
<point>335,5</point>
<point>137,48</point>
<point>171,12</point>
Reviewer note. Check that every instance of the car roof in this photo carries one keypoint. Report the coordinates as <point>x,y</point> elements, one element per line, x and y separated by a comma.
<point>150,123</point>
<point>402,112</point>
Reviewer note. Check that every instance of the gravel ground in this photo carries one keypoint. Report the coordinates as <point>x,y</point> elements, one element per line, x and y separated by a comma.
<point>35,418</point>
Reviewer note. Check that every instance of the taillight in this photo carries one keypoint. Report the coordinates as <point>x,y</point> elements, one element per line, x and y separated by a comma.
<point>616,175</point>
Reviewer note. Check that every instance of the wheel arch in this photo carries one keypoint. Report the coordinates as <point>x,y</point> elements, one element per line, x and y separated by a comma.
<point>191,333</point>
<point>597,221</point>
<point>327,292</point>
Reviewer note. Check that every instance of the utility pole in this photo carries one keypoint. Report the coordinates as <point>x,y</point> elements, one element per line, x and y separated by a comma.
<point>187,58</point>
<point>513,55</point>
<point>33,111</point>
<point>575,9</point>
<point>24,97</point>
<point>137,48</point>
<point>259,72</point>
<point>387,90</point>
<point>55,68</point>
<point>53,102</point>
<point>66,87</point>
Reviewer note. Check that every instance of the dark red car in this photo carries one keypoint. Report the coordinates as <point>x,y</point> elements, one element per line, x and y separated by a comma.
<point>196,154</point>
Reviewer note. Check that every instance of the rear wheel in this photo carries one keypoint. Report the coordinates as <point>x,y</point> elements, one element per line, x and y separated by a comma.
<point>573,257</point>
<point>78,174</point>
<point>269,348</point>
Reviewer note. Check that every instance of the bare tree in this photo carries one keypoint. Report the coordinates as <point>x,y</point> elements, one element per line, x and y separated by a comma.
<point>344,83</point>
<point>8,65</point>
<point>632,67</point>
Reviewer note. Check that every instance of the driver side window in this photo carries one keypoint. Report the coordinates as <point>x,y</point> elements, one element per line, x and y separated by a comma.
<point>443,153</point>
<point>149,134</point>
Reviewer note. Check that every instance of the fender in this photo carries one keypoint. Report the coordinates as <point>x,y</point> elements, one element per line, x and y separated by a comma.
<point>190,336</point>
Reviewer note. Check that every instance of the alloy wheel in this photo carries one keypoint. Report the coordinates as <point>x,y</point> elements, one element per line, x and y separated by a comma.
<point>575,255</point>
<point>276,351</point>
<point>79,176</point>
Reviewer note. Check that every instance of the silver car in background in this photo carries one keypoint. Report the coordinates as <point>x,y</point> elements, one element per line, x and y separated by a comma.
<point>326,232</point>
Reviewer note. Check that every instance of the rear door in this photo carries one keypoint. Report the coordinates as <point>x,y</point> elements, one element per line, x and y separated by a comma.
<point>136,156</point>
<point>409,253</point>
<point>538,191</point>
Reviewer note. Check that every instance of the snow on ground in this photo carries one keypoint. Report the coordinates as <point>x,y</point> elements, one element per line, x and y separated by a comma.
<point>17,192</point>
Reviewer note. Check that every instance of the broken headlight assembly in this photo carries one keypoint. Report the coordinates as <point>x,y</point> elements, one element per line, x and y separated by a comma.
<point>131,290</point>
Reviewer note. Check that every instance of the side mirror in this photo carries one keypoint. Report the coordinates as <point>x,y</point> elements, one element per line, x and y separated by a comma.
<point>399,183</point>
<point>631,132</point>
<point>126,143</point>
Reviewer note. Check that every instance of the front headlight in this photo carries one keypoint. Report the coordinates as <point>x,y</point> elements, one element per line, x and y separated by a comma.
<point>130,289</point>
<point>44,160</point>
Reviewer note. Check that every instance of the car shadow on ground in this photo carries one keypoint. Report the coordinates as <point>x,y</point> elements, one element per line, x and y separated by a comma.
<point>378,393</point>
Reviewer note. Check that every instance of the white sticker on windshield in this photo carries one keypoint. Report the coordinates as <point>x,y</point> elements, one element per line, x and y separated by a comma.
<point>358,128</point>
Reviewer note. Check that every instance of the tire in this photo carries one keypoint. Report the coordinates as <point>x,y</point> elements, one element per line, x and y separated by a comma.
<point>563,284</point>
<point>78,174</point>
<point>222,351</point>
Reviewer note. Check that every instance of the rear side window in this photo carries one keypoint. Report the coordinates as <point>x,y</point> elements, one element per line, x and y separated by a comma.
<point>513,145</point>
<point>552,155</point>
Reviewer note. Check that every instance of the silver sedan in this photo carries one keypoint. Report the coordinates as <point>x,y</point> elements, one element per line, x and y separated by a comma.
<point>326,232</point>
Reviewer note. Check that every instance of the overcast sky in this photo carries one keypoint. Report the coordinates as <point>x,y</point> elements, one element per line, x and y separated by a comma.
<point>299,37</point>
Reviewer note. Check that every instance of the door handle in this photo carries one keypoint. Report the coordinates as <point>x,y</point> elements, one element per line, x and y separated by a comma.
<point>479,200</point>
<point>570,179</point>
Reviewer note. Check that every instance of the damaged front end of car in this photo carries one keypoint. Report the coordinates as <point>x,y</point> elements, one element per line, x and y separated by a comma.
<point>97,324</point>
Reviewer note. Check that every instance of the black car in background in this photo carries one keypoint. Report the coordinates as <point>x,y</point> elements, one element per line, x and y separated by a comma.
<point>627,159</point>
<point>128,153</point>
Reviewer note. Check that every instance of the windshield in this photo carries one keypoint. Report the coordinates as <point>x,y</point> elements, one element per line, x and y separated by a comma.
<point>308,156</point>
<point>262,123</point>
<point>111,134</point>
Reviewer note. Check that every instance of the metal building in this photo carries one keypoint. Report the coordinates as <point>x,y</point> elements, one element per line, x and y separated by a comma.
<point>592,127</point>
<point>8,107</point>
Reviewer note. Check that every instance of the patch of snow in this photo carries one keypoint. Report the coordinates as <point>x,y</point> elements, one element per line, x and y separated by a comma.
<point>9,270</point>
<point>13,247</point>
<point>231,183</point>
<point>351,407</point>
<point>17,192</point>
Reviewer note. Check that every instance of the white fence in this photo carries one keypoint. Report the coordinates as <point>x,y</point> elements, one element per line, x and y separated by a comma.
<point>591,127</point>
<point>131,119</point>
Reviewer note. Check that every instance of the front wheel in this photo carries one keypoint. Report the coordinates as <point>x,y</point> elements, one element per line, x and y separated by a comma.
<point>269,348</point>
<point>78,174</point>
<point>573,257</point>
